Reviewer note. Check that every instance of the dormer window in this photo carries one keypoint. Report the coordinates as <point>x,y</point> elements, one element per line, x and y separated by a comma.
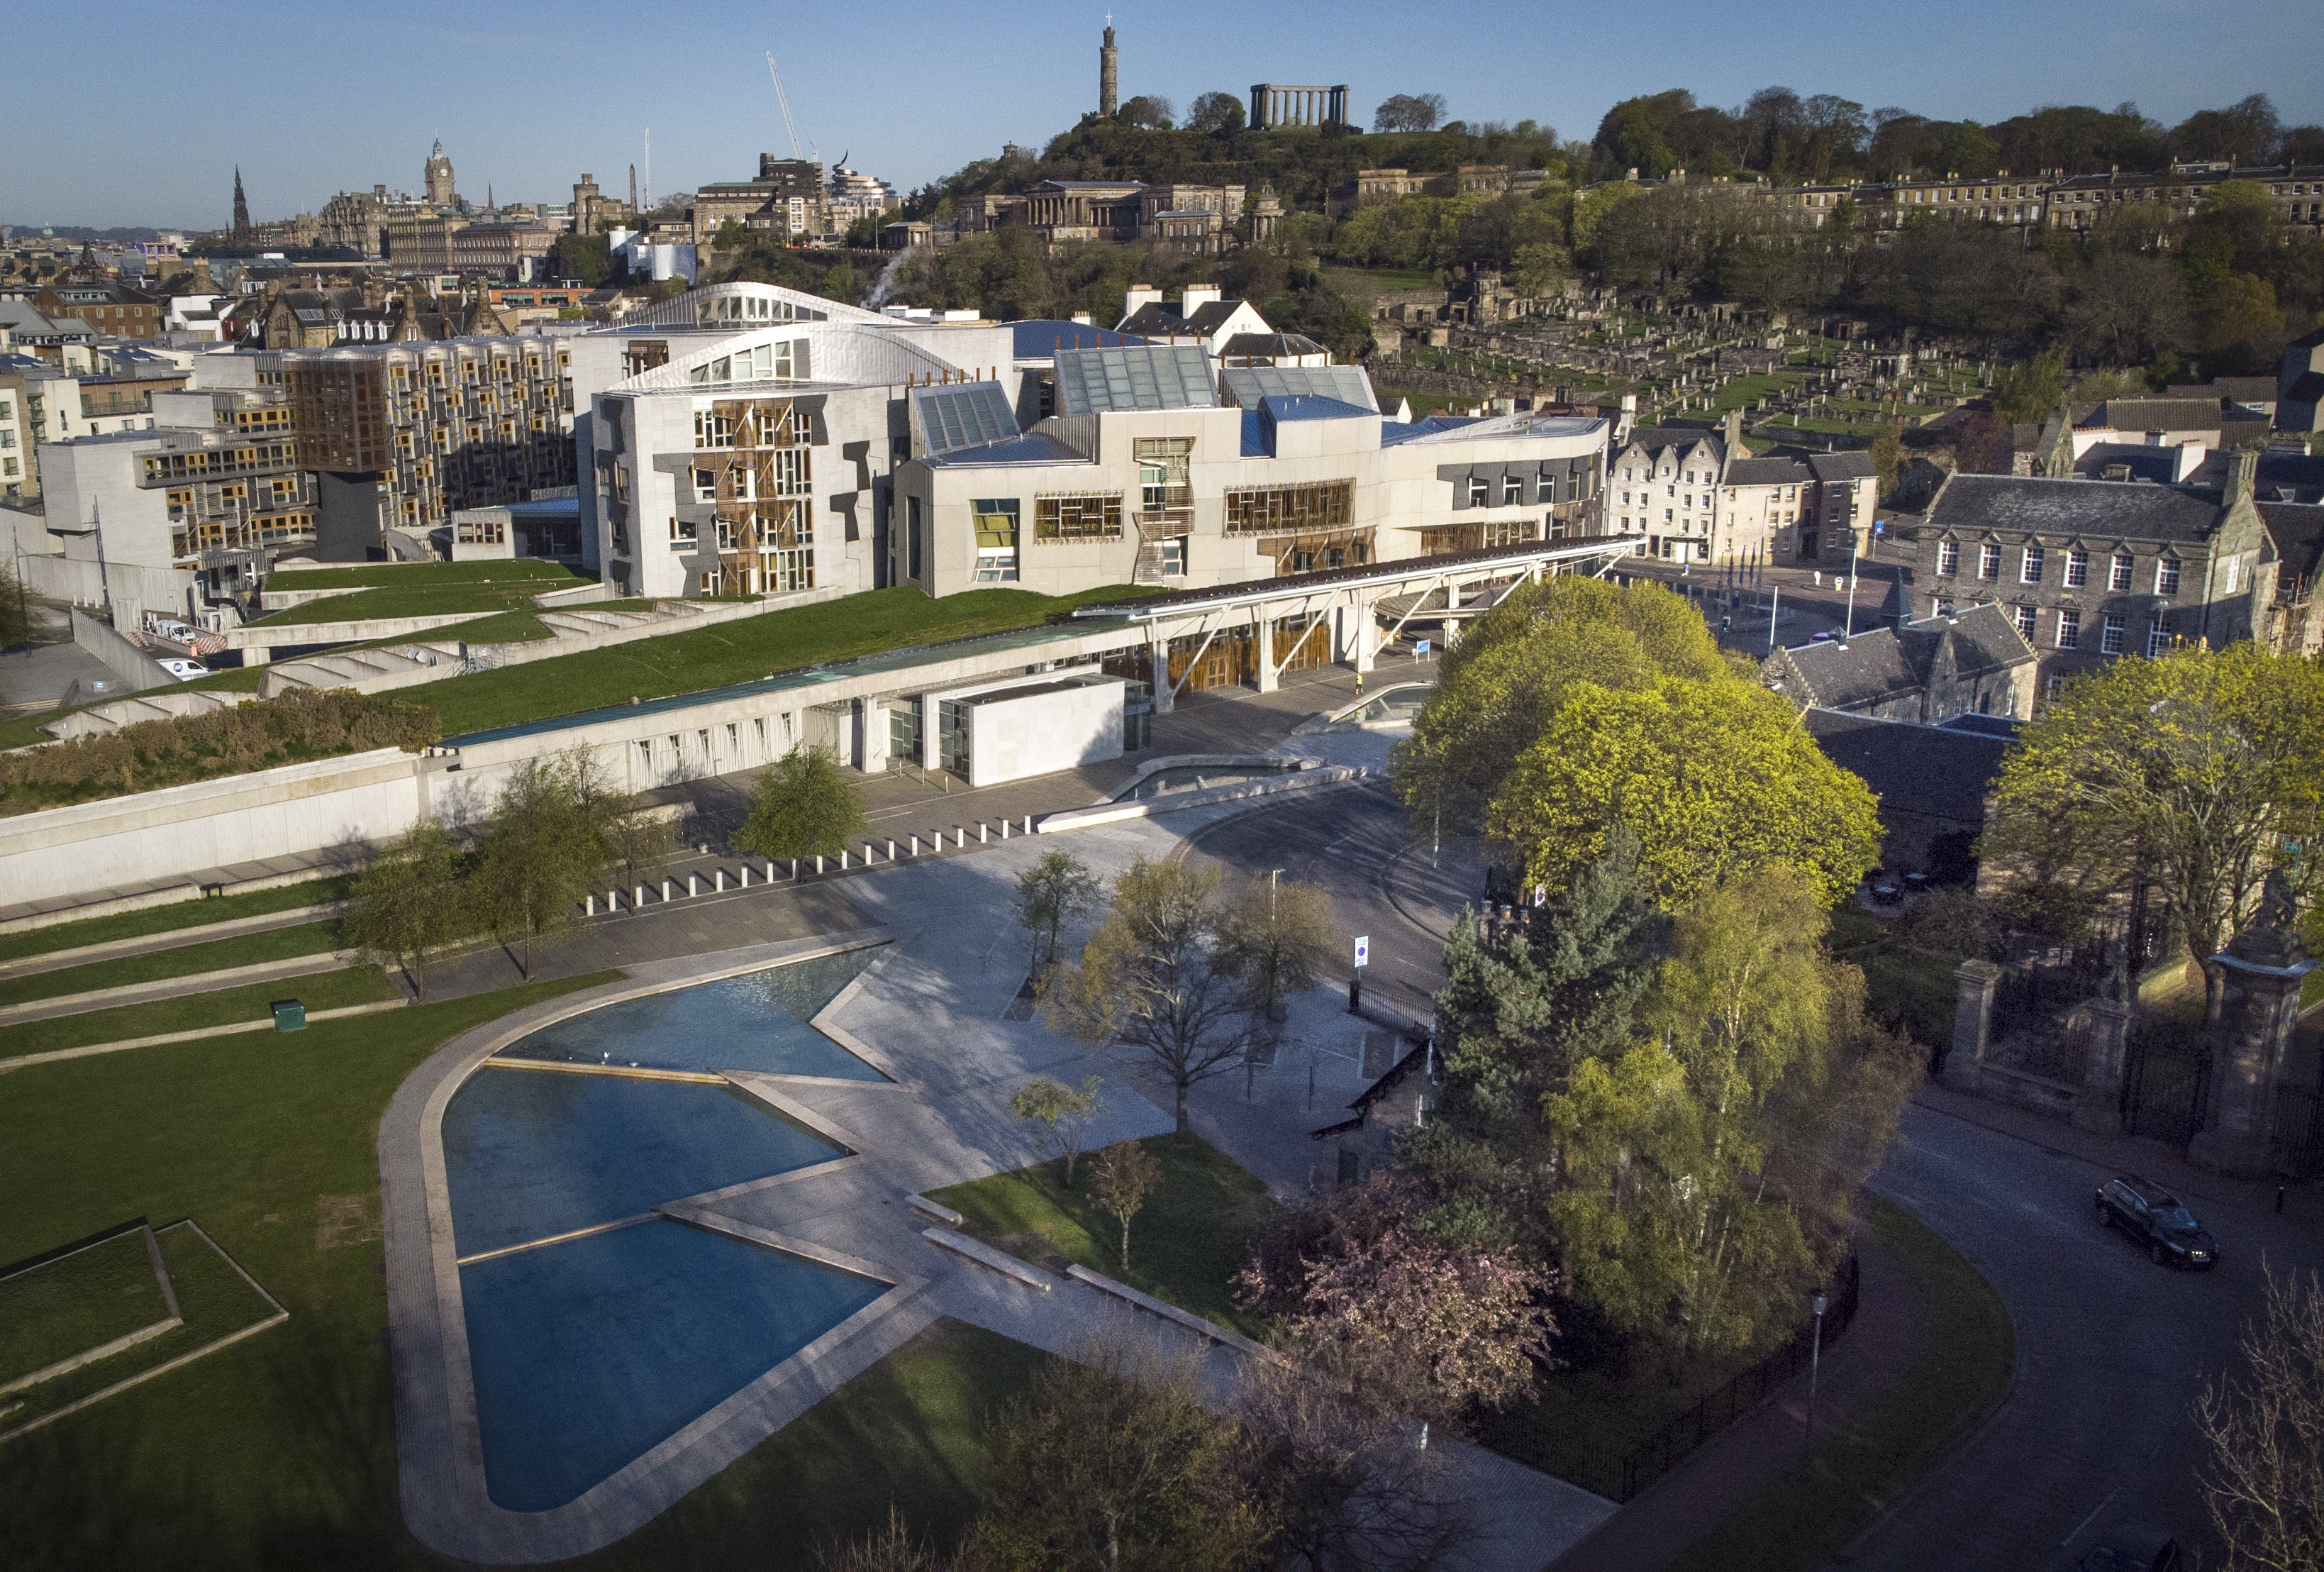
<point>1948,558</point>
<point>2166,577</point>
<point>2078,567</point>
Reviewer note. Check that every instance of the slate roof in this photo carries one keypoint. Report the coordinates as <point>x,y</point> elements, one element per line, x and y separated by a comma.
<point>2240,389</point>
<point>2146,462</point>
<point>2155,415</point>
<point>1935,772</point>
<point>2298,530</point>
<point>2282,477</point>
<point>1887,663</point>
<point>2034,505</point>
<point>1769,471</point>
<point>1841,466</point>
<point>1042,337</point>
<point>1160,319</point>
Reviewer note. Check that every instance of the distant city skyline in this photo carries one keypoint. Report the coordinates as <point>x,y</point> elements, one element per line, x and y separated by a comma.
<point>526,97</point>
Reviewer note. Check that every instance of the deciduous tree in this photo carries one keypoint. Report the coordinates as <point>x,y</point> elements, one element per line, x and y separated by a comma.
<point>1409,112</point>
<point>1124,1175</point>
<point>1715,778</point>
<point>409,903</point>
<point>2190,773</point>
<point>805,808</point>
<point>1065,1112</point>
<point>1149,979</point>
<point>544,840</point>
<point>2263,1474</point>
<point>1051,894</point>
<point>1279,939</point>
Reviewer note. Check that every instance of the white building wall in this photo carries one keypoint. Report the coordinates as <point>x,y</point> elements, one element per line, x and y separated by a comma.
<point>1011,739</point>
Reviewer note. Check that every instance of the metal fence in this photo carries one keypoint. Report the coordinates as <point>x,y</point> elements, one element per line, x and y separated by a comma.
<point>2167,1084</point>
<point>1716,1409</point>
<point>2299,1133</point>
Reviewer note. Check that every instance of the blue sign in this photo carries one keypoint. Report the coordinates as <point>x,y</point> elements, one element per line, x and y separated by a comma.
<point>1420,649</point>
<point>1364,950</point>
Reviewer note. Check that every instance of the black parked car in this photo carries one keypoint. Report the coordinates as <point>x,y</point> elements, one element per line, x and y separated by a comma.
<point>2152,1215</point>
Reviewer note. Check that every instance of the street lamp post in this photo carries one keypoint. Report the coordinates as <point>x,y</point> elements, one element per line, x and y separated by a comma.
<point>1816,1359</point>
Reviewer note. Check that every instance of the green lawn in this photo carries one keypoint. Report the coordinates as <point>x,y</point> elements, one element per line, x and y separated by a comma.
<point>413,600</point>
<point>738,652</point>
<point>527,570</point>
<point>168,918</point>
<point>212,1298</point>
<point>193,1011</point>
<point>1186,1246</point>
<point>1961,1372</point>
<point>70,1305</point>
<point>280,1450</point>
<point>218,955</point>
<point>907,1430</point>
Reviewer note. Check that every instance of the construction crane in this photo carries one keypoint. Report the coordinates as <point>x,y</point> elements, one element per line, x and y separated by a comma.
<point>783,99</point>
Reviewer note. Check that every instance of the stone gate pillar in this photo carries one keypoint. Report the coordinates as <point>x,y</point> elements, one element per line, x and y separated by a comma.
<point>2100,1107</point>
<point>1972,1023</point>
<point>2261,974</point>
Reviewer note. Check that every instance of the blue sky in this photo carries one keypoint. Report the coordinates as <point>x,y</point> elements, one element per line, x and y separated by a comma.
<point>311,98</point>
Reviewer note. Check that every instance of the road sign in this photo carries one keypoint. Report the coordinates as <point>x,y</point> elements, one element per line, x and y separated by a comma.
<point>1364,950</point>
<point>1420,649</point>
<point>1541,894</point>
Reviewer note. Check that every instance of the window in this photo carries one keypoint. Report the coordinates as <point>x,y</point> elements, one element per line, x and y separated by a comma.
<point>1948,558</point>
<point>2166,577</point>
<point>1078,516</point>
<point>706,486</point>
<point>1513,493</point>
<point>2234,575</point>
<point>1480,491</point>
<point>2118,573</point>
<point>1323,504</point>
<point>2030,569</point>
<point>2025,622</point>
<point>2077,569</point>
<point>996,540</point>
<point>2069,630</point>
<point>2158,636</point>
<point>2110,633</point>
<point>1989,560</point>
<point>1162,482</point>
<point>682,533</point>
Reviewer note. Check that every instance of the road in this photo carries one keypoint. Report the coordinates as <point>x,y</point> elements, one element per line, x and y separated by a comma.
<point>2110,1348</point>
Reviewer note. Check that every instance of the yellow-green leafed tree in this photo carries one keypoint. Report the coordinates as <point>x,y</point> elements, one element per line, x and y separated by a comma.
<point>2194,773</point>
<point>1716,778</point>
<point>1499,686</point>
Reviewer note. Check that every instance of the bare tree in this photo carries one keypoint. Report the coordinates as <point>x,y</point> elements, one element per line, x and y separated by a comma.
<point>1125,1175</point>
<point>2264,1479</point>
<point>1149,979</point>
<point>894,1549</point>
<point>1280,939</point>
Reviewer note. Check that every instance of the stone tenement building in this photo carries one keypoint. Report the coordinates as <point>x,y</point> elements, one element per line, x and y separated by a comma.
<point>788,199</point>
<point>1973,663</point>
<point>2091,569</point>
<point>399,435</point>
<point>1692,495</point>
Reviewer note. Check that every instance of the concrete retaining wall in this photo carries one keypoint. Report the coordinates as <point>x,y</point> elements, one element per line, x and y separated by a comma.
<point>349,801</point>
<point>278,636</point>
<point>132,664</point>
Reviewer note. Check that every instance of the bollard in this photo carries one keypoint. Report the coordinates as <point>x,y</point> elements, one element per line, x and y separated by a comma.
<point>1004,829</point>
<point>770,870</point>
<point>613,901</point>
<point>915,846</point>
<point>718,880</point>
<point>794,870</point>
<point>891,848</point>
<point>1355,995</point>
<point>638,901</point>
<point>867,853</point>
<point>843,862</point>
<point>819,862</point>
<point>692,885</point>
<point>592,908</point>
<point>742,876</point>
<point>664,891</point>
<point>983,833</point>
<point>1028,824</point>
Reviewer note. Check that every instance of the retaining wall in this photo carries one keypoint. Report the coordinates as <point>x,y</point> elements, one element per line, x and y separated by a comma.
<point>128,662</point>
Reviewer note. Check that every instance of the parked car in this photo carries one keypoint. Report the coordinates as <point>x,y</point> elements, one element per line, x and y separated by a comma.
<point>177,632</point>
<point>2152,1215</point>
<point>2132,1547</point>
<point>184,670</point>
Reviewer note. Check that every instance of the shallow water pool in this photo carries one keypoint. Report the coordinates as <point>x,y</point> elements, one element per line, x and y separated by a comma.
<point>1182,778</point>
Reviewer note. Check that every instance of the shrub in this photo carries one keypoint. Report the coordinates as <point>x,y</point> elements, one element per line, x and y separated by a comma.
<point>306,724</point>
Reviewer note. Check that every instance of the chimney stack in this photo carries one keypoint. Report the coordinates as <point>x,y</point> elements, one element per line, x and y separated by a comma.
<point>2242,478</point>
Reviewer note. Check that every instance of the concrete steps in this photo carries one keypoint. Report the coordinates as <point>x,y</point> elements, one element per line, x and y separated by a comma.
<point>153,705</point>
<point>347,668</point>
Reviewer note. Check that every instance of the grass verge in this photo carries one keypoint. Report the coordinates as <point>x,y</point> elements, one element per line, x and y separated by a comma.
<point>737,651</point>
<point>279,1451</point>
<point>153,919</point>
<point>62,1308</point>
<point>1193,1235</point>
<point>907,1430</point>
<point>415,600</point>
<point>538,572</point>
<point>247,950</point>
<point>1962,1370</point>
<point>193,1011</point>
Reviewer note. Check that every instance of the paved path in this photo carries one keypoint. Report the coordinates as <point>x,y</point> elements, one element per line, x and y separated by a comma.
<point>2110,1347</point>
<point>1726,1473</point>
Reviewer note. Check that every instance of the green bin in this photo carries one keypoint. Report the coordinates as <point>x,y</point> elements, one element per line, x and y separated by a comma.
<point>289,1015</point>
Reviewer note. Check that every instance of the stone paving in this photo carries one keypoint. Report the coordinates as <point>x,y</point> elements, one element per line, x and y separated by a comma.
<point>931,1012</point>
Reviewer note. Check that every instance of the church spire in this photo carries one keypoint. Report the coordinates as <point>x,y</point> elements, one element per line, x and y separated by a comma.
<point>241,208</point>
